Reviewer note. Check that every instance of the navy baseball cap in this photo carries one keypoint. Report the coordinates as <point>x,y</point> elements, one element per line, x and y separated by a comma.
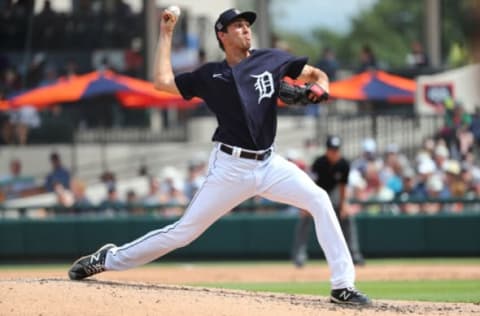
<point>334,142</point>
<point>229,15</point>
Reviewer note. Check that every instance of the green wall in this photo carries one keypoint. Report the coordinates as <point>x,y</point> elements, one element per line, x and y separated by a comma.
<point>240,236</point>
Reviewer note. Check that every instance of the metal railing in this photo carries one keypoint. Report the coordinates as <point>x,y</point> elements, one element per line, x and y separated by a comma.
<point>406,131</point>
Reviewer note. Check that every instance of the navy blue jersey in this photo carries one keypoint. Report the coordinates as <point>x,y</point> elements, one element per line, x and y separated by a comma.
<point>243,97</point>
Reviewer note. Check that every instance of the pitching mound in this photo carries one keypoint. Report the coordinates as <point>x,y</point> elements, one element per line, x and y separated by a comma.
<point>142,292</point>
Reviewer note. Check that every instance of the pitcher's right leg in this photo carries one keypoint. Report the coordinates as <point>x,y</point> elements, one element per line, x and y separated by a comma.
<point>211,202</point>
<point>229,182</point>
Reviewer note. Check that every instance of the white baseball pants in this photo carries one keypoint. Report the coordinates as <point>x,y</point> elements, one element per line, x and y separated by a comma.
<point>230,181</point>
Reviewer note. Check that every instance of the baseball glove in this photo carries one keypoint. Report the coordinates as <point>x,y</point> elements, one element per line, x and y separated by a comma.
<point>292,94</point>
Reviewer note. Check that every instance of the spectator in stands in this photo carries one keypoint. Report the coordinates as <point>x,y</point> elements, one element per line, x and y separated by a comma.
<point>112,205</point>
<point>392,168</point>
<point>455,187</point>
<point>456,119</point>
<point>357,190</point>
<point>58,174</point>
<point>36,70</point>
<point>440,155</point>
<point>465,140</point>
<point>328,63</point>
<point>434,186</point>
<point>14,184</point>
<point>368,60</point>
<point>74,201</point>
<point>105,65</point>
<point>376,190</point>
<point>475,125</point>
<point>417,58</point>
<point>109,179</point>
<point>426,168</point>
<point>171,193</point>
<point>476,188</point>
<point>23,120</point>
<point>369,154</point>
<point>10,81</point>
<point>428,146</point>
<point>132,203</point>
<point>70,69</point>
<point>64,197</point>
<point>133,59</point>
<point>467,177</point>
<point>50,76</point>
<point>82,203</point>
<point>152,200</point>
<point>408,193</point>
<point>471,174</point>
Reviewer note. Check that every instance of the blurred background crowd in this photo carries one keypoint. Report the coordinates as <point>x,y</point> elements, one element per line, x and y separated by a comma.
<point>42,44</point>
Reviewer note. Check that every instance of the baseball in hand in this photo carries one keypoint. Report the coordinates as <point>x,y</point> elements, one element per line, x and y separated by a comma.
<point>175,10</point>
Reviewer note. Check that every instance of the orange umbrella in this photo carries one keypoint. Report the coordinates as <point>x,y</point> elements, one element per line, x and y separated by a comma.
<point>4,105</point>
<point>376,86</point>
<point>129,91</point>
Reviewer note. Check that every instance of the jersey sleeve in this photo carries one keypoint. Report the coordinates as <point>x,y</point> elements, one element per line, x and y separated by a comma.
<point>290,65</point>
<point>295,66</point>
<point>187,83</point>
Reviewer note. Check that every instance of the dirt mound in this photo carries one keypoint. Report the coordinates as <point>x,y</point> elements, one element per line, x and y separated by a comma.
<point>63,297</point>
<point>155,290</point>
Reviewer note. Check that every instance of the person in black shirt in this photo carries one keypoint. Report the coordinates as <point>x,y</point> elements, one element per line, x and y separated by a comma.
<point>330,172</point>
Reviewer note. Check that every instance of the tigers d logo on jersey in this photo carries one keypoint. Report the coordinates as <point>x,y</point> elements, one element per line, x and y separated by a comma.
<point>264,85</point>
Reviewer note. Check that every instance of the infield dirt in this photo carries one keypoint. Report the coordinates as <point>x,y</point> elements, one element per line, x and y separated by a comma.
<point>160,290</point>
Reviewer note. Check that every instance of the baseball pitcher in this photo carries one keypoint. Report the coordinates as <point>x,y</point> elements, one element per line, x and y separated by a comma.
<point>242,92</point>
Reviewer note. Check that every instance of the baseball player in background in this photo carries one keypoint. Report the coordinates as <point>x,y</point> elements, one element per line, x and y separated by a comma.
<point>330,172</point>
<point>242,92</point>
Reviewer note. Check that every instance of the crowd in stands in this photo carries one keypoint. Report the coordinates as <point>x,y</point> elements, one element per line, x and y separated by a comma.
<point>446,166</point>
<point>57,123</point>
<point>26,124</point>
<point>442,169</point>
<point>414,186</point>
<point>167,195</point>
<point>91,24</point>
<point>94,35</point>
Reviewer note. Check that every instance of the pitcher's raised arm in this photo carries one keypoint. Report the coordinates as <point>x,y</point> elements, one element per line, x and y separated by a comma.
<point>164,78</point>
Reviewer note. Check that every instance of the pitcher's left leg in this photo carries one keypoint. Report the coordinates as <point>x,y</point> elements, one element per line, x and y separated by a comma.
<point>286,183</point>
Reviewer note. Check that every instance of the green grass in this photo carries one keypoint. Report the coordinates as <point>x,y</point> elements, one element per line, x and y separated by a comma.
<point>429,261</point>
<point>467,291</point>
<point>321,262</point>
